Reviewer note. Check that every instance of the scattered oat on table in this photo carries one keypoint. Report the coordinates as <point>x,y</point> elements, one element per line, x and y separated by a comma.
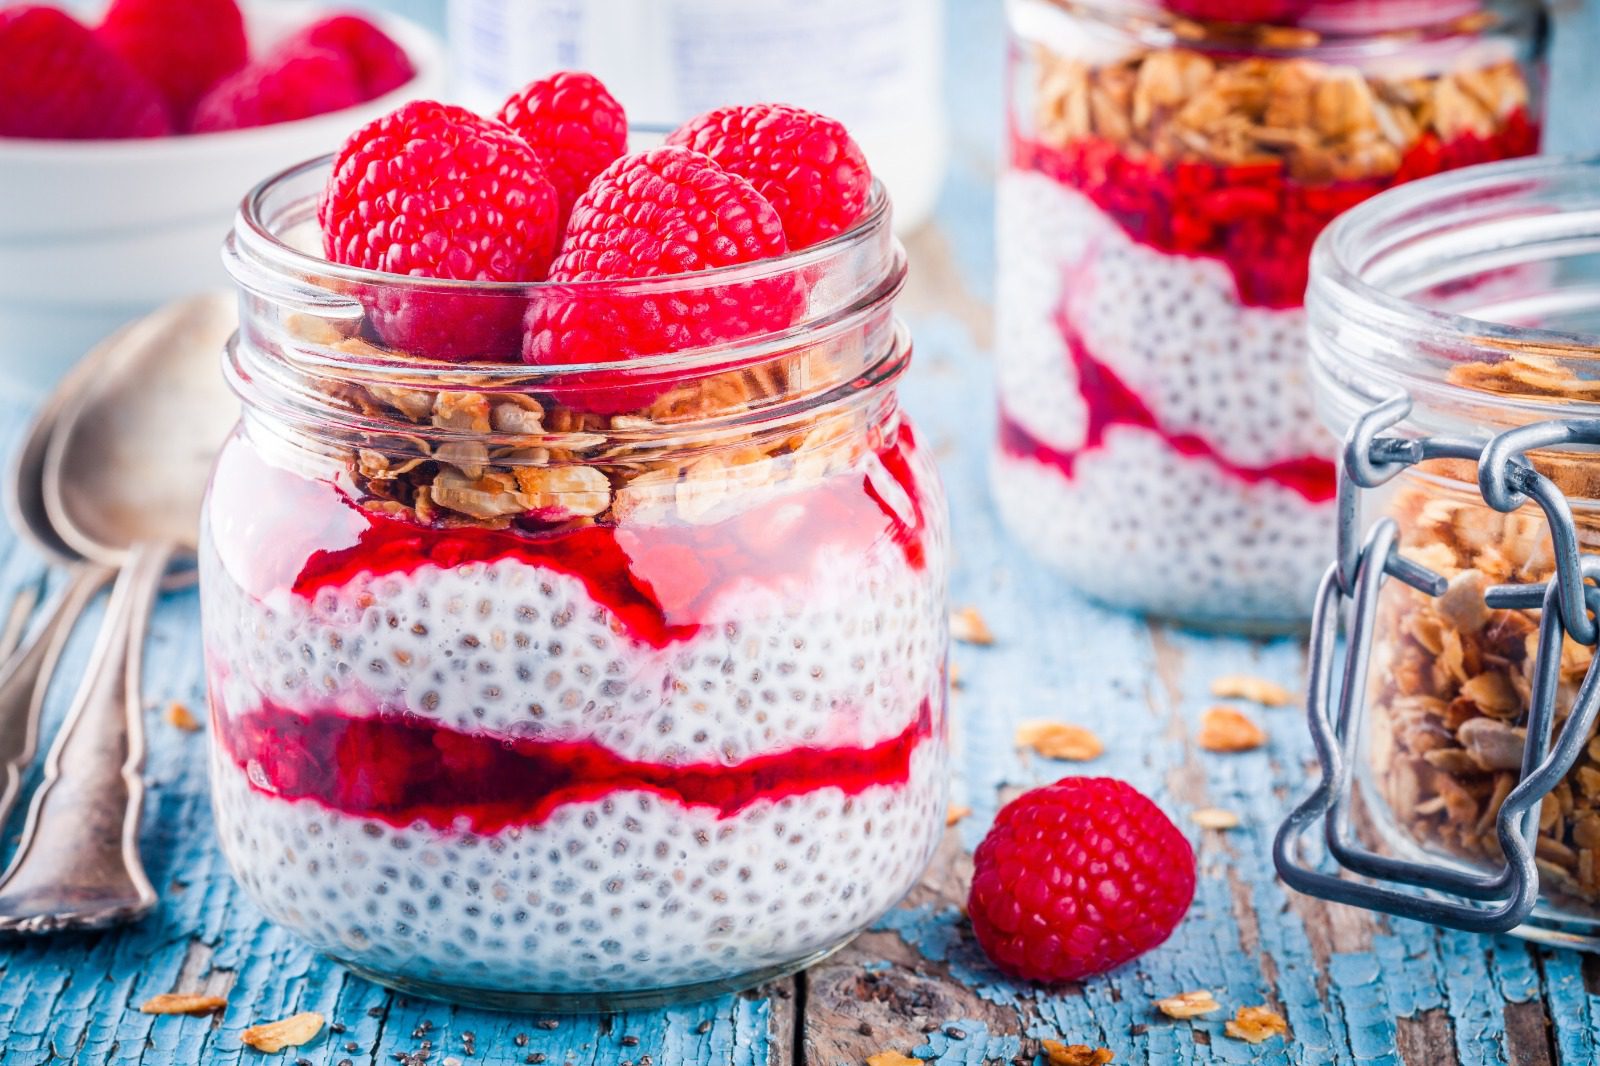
<point>1215,818</point>
<point>290,1032</point>
<point>182,1003</point>
<point>1059,1054</point>
<point>1254,689</point>
<point>179,715</point>
<point>1058,740</point>
<point>1224,729</point>
<point>892,1058</point>
<point>968,626</point>
<point>956,813</point>
<point>1188,1004</point>
<point>1256,1024</point>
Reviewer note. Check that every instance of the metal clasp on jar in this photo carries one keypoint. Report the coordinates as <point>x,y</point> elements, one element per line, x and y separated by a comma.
<point>1447,894</point>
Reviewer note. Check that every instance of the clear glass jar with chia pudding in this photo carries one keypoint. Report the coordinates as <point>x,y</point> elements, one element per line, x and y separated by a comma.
<point>573,686</point>
<point>1473,296</point>
<point>1166,175</point>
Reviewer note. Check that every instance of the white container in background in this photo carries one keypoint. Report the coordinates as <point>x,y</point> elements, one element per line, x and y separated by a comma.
<point>95,233</point>
<point>872,64</point>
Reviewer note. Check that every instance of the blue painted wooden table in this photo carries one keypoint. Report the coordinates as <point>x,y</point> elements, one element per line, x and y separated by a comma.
<point>1353,987</point>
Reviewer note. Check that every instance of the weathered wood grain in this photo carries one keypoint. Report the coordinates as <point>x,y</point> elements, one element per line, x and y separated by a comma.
<point>1356,988</point>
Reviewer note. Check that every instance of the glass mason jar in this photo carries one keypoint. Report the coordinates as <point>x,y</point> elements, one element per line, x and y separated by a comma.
<point>1468,302</point>
<point>1165,179</point>
<point>573,686</point>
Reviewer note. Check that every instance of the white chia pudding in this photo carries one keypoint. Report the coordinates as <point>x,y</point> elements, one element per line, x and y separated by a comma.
<point>1183,515</point>
<point>489,776</point>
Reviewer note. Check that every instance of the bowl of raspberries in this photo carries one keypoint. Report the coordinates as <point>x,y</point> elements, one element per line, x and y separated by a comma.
<point>128,134</point>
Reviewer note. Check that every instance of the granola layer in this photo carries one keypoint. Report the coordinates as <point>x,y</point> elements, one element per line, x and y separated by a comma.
<point>1246,158</point>
<point>1450,686</point>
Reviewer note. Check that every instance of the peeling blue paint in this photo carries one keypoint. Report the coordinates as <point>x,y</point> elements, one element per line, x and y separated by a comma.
<point>938,933</point>
<point>1058,656</point>
<point>967,1042</point>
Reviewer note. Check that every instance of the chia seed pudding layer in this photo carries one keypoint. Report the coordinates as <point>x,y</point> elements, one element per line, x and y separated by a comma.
<point>520,771</point>
<point>1158,442</point>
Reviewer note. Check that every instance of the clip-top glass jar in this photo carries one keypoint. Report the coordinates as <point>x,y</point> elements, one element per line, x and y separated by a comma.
<point>1455,329</point>
<point>573,686</point>
<point>1165,180</point>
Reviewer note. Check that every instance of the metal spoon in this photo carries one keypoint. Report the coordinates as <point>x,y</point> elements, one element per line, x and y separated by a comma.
<point>24,675</point>
<point>123,478</point>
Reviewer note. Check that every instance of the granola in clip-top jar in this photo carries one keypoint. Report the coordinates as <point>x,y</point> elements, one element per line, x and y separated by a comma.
<point>1454,342</point>
<point>1166,175</point>
<point>574,592</point>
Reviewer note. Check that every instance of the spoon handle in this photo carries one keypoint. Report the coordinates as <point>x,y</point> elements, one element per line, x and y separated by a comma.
<point>78,863</point>
<point>17,621</point>
<point>24,678</point>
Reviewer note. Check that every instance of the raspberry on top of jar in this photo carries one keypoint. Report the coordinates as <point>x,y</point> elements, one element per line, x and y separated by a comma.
<point>574,541</point>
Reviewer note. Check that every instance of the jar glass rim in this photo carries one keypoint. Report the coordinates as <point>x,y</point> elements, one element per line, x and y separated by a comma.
<point>253,235</point>
<point>308,323</point>
<point>1449,237</point>
<point>1342,257</point>
<point>1349,39</point>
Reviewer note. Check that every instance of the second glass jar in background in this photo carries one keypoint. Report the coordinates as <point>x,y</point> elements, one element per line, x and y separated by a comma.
<point>1165,181</point>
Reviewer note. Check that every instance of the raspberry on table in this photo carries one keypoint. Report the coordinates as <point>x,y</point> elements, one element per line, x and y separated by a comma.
<point>1077,878</point>
<point>665,211</point>
<point>381,65</point>
<point>287,84</point>
<point>181,48</point>
<point>806,164</point>
<point>575,125</point>
<point>432,190</point>
<point>58,81</point>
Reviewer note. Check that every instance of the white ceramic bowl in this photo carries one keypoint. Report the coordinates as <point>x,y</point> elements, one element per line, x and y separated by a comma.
<point>94,233</point>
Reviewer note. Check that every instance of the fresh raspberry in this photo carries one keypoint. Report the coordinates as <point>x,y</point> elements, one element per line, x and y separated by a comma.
<point>1076,878</point>
<point>575,125</point>
<point>182,49</point>
<point>433,190</point>
<point>807,165</point>
<point>665,211</point>
<point>382,66</point>
<point>285,85</point>
<point>57,81</point>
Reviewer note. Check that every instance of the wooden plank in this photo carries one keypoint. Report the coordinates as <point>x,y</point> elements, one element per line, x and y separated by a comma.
<point>1355,988</point>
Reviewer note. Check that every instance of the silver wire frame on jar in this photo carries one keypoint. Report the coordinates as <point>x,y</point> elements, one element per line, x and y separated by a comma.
<point>1448,895</point>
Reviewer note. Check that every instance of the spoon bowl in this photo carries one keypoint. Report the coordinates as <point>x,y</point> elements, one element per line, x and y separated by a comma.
<point>128,456</point>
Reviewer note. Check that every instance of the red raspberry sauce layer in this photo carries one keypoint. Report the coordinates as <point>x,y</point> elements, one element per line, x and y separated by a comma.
<point>1111,402</point>
<point>657,579</point>
<point>1255,218</point>
<point>401,769</point>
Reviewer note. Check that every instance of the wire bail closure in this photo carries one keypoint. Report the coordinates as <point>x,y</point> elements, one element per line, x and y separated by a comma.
<point>1485,902</point>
